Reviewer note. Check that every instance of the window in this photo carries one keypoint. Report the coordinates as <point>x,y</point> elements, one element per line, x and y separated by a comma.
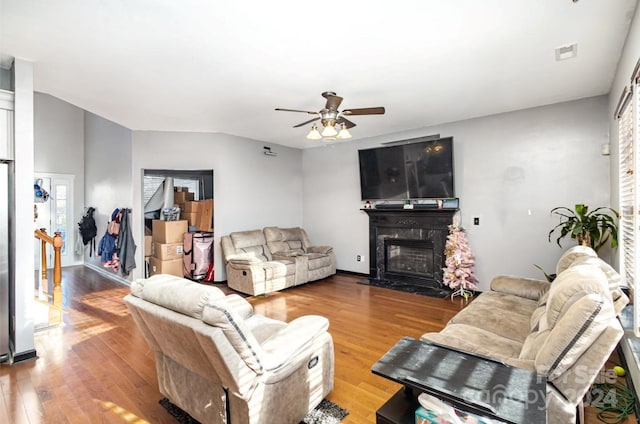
<point>628,133</point>
<point>152,182</point>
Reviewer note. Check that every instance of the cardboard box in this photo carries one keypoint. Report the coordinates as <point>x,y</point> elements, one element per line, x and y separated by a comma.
<point>168,251</point>
<point>168,231</point>
<point>205,220</point>
<point>191,217</point>
<point>172,267</point>
<point>182,196</point>
<point>148,246</point>
<point>191,206</point>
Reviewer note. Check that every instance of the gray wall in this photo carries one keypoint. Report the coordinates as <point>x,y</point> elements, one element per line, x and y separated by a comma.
<point>251,190</point>
<point>59,149</point>
<point>510,170</point>
<point>108,182</point>
<point>5,79</point>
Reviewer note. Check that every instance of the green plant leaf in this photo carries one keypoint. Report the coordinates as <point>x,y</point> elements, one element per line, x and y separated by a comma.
<point>600,224</point>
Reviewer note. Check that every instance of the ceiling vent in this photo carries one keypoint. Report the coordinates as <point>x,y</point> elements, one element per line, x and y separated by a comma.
<point>568,51</point>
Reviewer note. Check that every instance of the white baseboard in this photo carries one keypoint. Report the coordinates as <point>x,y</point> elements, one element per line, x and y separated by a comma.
<point>110,275</point>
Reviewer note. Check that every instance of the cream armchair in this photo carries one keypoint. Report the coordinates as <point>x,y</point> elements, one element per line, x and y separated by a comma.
<point>312,262</point>
<point>221,363</point>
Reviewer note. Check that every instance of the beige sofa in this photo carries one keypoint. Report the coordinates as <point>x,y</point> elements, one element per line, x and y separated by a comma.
<point>263,261</point>
<point>565,330</point>
<point>221,363</point>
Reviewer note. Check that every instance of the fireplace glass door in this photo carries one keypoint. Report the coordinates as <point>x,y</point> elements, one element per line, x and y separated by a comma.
<point>409,258</point>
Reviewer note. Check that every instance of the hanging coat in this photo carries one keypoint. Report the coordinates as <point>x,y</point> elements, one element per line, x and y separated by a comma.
<point>107,247</point>
<point>126,244</point>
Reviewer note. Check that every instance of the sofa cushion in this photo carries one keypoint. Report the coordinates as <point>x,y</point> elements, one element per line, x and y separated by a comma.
<point>280,347</point>
<point>578,310</point>
<point>573,334</point>
<point>289,240</point>
<point>571,255</point>
<point>240,305</point>
<point>536,316</point>
<point>251,243</point>
<point>318,260</point>
<point>532,344</point>
<point>476,340</point>
<point>502,314</point>
<point>570,286</point>
<point>263,327</point>
<point>278,269</point>
<point>176,293</point>
<point>220,314</point>
<point>527,288</point>
<point>260,252</point>
<point>620,300</point>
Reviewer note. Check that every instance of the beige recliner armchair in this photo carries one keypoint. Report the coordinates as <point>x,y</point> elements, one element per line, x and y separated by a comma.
<point>565,330</point>
<point>312,262</point>
<point>221,363</point>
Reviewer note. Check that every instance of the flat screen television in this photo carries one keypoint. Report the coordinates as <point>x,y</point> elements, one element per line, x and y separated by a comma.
<point>419,169</point>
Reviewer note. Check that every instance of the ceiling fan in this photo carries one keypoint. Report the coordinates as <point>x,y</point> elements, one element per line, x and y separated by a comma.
<point>329,116</point>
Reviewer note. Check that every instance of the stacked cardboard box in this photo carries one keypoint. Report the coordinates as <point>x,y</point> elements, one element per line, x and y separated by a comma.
<point>199,214</point>
<point>148,243</point>
<point>190,211</point>
<point>181,195</point>
<point>167,237</point>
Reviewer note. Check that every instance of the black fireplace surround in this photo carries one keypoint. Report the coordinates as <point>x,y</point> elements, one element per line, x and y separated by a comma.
<point>407,245</point>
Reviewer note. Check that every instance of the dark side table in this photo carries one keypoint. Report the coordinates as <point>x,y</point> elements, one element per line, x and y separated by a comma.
<point>469,382</point>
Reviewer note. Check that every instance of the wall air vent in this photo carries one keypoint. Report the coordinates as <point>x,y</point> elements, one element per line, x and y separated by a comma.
<point>568,51</point>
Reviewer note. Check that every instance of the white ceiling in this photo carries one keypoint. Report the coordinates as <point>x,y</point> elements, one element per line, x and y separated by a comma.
<point>224,66</point>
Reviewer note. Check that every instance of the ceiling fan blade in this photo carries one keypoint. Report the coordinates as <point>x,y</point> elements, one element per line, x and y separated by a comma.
<point>306,122</point>
<point>333,101</point>
<point>296,110</point>
<point>346,122</point>
<point>364,111</point>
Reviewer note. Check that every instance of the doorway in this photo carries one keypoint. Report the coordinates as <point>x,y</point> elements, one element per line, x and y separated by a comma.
<point>53,211</point>
<point>160,190</point>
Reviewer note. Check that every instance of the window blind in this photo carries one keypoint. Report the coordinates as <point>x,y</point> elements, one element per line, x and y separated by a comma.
<point>628,185</point>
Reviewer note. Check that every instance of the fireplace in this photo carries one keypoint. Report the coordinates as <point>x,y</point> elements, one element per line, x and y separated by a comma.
<point>407,245</point>
<point>408,259</point>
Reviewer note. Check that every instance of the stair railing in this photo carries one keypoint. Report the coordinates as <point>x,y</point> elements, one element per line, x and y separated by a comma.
<point>56,242</point>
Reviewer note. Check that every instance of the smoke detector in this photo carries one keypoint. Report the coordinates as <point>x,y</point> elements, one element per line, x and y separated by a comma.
<point>568,51</point>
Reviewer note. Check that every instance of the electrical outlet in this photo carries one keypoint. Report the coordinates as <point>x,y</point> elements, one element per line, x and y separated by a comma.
<point>359,258</point>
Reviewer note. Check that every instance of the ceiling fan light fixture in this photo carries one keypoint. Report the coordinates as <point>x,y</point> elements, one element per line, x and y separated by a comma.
<point>314,134</point>
<point>329,131</point>
<point>330,116</point>
<point>344,133</point>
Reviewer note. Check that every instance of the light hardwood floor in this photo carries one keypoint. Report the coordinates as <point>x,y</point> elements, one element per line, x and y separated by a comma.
<point>97,368</point>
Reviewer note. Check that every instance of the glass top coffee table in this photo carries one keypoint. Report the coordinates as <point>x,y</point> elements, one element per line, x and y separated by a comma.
<point>470,382</point>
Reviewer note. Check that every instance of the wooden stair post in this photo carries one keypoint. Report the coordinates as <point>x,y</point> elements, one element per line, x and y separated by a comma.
<point>56,242</point>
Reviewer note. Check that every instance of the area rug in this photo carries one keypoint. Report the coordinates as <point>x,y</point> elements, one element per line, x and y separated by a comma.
<point>409,287</point>
<point>325,413</point>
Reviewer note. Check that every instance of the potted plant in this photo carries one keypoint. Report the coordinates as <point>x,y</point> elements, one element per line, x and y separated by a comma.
<point>592,229</point>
